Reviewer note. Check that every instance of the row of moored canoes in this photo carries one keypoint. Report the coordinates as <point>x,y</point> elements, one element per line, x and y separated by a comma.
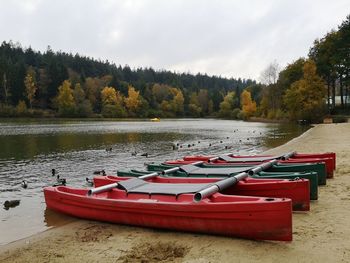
<point>243,196</point>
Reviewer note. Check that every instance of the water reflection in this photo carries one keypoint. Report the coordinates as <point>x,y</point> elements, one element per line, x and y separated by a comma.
<point>30,150</point>
<point>52,218</point>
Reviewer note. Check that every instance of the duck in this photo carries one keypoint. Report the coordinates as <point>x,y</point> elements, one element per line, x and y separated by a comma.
<point>100,172</point>
<point>89,181</point>
<point>109,149</point>
<point>11,203</point>
<point>53,171</point>
<point>61,181</point>
<point>144,155</point>
<point>134,153</point>
<point>24,184</point>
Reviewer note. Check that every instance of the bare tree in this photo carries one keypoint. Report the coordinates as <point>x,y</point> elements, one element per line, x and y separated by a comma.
<point>270,74</point>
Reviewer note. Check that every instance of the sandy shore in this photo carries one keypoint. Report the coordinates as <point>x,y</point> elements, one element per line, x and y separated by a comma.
<point>321,235</point>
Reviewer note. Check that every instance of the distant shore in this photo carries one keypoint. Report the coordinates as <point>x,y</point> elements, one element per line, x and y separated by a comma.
<point>320,235</point>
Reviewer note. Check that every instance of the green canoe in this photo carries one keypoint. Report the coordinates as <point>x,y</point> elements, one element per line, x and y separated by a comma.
<point>311,176</point>
<point>319,168</point>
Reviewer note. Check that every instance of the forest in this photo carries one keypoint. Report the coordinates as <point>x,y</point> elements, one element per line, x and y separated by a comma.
<point>62,84</point>
<point>59,84</point>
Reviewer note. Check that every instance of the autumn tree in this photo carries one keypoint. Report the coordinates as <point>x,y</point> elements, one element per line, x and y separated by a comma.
<point>112,103</point>
<point>21,108</point>
<point>93,88</point>
<point>65,99</point>
<point>194,105</point>
<point>83,105</point>
<point>205,103</point>
<point>30,85</point>
<point>305,99</point>
<point>177,102</point>
<point>43,84</point>
<point>133,101</point>
<point>248,105</point>
<point>227,105</point>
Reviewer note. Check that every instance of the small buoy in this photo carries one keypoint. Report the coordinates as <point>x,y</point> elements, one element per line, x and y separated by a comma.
<point>11,203</point>
<point>109,149</point>
<point>24,184</point>
<point>209,144</point>
<point>177,144</point>
<point>227,137</point>
<point>192,144</point>
<point>189,145</point>
<point>226,147</point>
<point>220,141</point>
<point>240,140</point>
<point>199,141</point>
<point>180,146</point>
<point>174,147</point>
<point>247,139</point>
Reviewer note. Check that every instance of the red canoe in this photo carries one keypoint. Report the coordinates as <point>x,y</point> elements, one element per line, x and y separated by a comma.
<point>327,158</point>
<point>298,191</point>
<point>240,216</point>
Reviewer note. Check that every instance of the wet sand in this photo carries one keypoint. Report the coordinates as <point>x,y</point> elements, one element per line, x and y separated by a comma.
<point>321,235</point>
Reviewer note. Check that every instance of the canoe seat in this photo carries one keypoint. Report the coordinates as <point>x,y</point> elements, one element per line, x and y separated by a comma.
<point>230,159</point>
<point>196,170</point>
<point>136,185</point>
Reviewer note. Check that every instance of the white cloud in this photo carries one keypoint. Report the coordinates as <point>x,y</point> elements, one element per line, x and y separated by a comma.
<point>228,38</point>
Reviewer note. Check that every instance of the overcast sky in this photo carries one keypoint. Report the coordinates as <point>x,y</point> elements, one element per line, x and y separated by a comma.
<point>227,38</point>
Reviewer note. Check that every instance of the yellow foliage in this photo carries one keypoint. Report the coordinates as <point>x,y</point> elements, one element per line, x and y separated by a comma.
<point>226,106</point>
<point>30,84</point>
<point>65,99</point>
<point>305,98</point>
<point>21,108</point>
<point>109,96</point>
<point>178,102</point>
<point>133,101</point>
<point>248,105</point>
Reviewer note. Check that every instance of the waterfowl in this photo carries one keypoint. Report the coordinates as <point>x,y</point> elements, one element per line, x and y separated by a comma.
<point>89,181</point>
<point>24,184</point>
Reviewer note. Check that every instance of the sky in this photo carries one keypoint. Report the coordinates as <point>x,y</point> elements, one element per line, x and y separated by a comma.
<point>223,38</point>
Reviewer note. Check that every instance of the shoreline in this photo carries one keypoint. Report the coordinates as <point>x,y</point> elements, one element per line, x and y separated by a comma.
<point>319,235</point>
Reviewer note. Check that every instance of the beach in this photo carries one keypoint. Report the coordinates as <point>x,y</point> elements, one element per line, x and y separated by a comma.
<point>320,235</point>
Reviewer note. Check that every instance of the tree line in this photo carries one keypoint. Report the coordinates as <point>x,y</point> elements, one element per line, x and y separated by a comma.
<point>62,84</point>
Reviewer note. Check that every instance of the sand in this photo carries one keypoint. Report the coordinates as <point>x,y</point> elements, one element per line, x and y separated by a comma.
<point>321,235</point>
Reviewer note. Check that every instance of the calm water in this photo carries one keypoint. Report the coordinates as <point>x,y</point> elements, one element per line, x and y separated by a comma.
<point>30,149</point>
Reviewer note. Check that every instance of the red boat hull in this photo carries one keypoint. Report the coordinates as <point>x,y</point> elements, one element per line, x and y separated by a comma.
<point>244,217</point>
<point>298,191</point>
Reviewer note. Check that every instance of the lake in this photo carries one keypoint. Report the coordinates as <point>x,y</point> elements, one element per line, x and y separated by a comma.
<point>30,149</point>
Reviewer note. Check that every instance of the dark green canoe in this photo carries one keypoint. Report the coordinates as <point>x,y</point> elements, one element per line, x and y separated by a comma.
<point>319,168</point>
<point>311,176</point>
